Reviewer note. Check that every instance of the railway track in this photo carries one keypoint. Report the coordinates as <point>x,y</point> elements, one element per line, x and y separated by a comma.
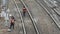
<point>23,25</point>
<point>29,26</point>
<point>51,12</point>
<point>56,16</point>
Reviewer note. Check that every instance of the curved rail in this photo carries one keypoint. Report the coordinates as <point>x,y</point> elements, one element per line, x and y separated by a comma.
<point>21,17</point>
<point>34,23</point>
<point>51,15</point>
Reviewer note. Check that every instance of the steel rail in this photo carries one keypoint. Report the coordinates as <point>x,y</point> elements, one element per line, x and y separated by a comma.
<point>54,8</point>
<point>48,13</point>
<point>21,17</point>
<point>57,12</point>
<point>34,23</point>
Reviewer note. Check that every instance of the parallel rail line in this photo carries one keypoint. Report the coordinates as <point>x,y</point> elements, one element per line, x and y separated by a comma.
<point>21,17</point>
<point>33,22</point>
<point>51,15</point>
